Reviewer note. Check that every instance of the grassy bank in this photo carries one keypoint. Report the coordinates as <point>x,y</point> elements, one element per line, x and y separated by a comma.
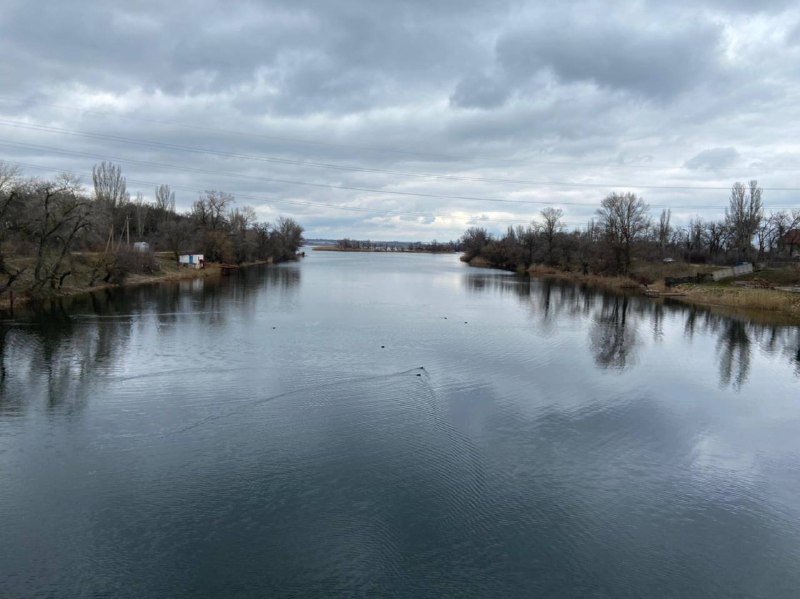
<point>763,295</point>
<point>767,300</point>
<point>612,283</point>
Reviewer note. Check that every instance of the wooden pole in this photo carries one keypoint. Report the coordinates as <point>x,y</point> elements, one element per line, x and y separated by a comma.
<point>110,240</point>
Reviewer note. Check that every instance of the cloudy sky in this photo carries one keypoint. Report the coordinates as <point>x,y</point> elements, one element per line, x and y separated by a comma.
<point>410,120</point>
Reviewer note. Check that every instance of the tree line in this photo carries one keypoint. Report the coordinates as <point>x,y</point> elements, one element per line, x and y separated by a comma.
<point>399,246</point>
<point>623,230</point>
<point>53,232</point>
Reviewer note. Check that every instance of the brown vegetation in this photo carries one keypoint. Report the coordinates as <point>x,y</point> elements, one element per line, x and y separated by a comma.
<point>626,249</point>
<point>55,237</point>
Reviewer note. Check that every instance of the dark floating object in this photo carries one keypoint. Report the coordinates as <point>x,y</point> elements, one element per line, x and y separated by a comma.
<point>422,368</point>
<point>418,374</point>
<point>383,346</point>
<point>465,322</point>
<point>273,328</point>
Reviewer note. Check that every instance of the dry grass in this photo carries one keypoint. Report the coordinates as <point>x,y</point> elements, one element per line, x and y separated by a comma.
<point>762,304</point>
<point>480,262</point>
<point>736,297</point>
<point>615,283</point>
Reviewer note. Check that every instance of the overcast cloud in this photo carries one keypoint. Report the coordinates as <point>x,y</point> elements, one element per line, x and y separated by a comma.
<point>391,120</point>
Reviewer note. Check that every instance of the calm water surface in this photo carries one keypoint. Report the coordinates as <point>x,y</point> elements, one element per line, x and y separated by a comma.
<point>395,425</point>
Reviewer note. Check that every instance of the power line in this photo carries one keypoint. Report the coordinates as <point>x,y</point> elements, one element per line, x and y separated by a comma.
<point>472,220</point>
<point>380,213</point>
<point>239,176</point>
<point>249,134</point>
<point>182,148</point>
<point>285,181</point>
<point>444,157</point>
<point>291,182</point>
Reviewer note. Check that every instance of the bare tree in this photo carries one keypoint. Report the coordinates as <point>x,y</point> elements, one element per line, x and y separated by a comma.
<point>241,219</point>
<point>9,176</point>
<point>774,228</point>
<point>715,233</point>
<point>287,237</point>
<point>474,240</point>
<point>177,236</point>
<point>624,220</point>
<point>9,194</point>
<point>140,210</point>
<point>10,204</point>
<point>110,187</point>
<point>111,197</point>
<point>58,213</point>
<point>9,201</point>
<point>217,203</point>
<point>743,216</point>
<point>664,230</point>
<point>551,226</point>
<point>165,199</point>
<point>526,237</point>
<point>200,213</point>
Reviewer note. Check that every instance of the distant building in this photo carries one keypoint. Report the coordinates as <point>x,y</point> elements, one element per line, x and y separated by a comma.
<point>192,261</point>
<point>141,246</point>
<point>791,241</point>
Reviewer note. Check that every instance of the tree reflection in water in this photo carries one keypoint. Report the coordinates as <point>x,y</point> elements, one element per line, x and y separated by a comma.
<point>55,350</point>
<point>733,348</point>
<point>55,355</point>
<point>614,337</point>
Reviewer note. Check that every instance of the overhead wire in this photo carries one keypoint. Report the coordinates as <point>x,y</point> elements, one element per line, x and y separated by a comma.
<point>271,159</point>
<point>286,181</point>
<point>444,157</point>
<point>242,176</point>
<point>371,211</point>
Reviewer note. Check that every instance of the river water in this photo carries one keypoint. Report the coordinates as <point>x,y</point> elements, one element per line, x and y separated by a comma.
<point>395,425</point>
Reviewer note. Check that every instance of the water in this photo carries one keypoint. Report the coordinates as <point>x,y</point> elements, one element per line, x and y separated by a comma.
<point>395,425</point>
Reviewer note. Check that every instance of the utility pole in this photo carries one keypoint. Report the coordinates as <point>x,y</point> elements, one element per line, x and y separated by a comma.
<point>110,241</point>
<point>127,233</point>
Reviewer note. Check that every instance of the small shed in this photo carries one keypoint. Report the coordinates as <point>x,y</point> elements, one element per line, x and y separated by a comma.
<point>141,246</point>
<point>192,261</point>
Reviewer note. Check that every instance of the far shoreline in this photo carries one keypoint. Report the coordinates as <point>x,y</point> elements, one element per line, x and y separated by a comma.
<point>333,248</point>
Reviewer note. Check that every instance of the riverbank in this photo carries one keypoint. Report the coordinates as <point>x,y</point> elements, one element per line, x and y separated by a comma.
<point>769,297</point>
<point>782,303</point>
<point>8,302</point>
<point>168,271</point>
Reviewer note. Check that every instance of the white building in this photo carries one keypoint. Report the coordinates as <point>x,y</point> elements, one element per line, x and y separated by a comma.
<point>192,261</point>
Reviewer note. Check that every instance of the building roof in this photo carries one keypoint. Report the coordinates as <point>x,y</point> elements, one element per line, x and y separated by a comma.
<point>792,237</point>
